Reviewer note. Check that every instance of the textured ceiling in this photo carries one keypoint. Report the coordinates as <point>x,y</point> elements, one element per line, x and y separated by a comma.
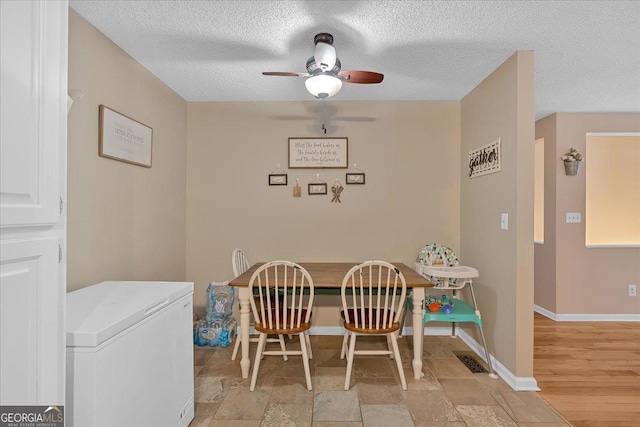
<point>587,54</point>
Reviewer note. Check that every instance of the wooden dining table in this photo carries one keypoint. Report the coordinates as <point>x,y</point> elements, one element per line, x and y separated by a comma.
<point>329,275</point>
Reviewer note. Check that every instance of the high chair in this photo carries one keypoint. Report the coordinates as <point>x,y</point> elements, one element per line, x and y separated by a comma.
<point>441,266</point>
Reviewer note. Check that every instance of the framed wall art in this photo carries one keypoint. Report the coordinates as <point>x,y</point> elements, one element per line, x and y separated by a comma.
<point>278,179</point>
<point>485,160</point>
<point>312,153</point>
<point>123,138</point>
<point>317,188</point>
<point>354,178</point>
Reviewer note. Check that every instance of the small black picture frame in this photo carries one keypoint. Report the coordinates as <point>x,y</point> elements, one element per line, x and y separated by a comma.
<point>354,178</point>
<point>277,179</point>
<point>317,188</point>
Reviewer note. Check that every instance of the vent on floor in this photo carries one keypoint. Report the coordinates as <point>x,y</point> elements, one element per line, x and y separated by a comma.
<point>471,363</point>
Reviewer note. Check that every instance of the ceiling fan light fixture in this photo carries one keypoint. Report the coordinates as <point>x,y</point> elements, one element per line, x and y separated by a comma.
<point>323,85</point>
<point>325,56</point>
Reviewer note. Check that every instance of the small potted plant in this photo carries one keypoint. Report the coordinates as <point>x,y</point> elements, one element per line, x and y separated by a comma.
<point>572,161</point>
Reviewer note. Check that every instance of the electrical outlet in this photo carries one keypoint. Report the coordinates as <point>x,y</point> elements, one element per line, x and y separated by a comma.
<point>574,217</point>
<point>504,221</point>
<point>632,290</point>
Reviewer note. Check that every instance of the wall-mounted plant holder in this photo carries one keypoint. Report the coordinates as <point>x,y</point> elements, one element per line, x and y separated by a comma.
<point>572,160</point>
<point>571,168</point>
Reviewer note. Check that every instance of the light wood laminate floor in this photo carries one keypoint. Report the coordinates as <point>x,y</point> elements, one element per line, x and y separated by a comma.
<point>589,371</point>
<point>449,395</point>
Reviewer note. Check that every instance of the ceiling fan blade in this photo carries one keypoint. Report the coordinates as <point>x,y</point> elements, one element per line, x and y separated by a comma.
<point>365,77</point>
<point>284,74</point>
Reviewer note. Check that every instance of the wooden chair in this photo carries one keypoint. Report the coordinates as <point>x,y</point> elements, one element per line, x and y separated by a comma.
<point>240,264</point>
<point>373,295</point>
<point>282,305</point>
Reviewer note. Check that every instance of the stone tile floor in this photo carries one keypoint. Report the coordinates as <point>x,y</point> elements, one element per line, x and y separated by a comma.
<point>448,395</point>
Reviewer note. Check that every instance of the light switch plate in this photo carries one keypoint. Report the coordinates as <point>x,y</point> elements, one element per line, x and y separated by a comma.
<point>504,221</point>
<point>574,217</point>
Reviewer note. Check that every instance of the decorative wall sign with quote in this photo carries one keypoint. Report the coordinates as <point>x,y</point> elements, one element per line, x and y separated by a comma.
<point>317,187</point>
<point>278,179</point>
<point>485,160</point>
<point>354,176</point>
<point>124,139</point>
<point>313,153</point>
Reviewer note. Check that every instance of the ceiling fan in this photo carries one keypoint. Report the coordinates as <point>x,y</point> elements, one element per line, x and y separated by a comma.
<point>323,69</point>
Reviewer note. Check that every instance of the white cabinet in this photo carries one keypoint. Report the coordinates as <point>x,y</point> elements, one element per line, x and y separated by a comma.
<point>29,355</point>
<point>33,93</point>
<point>33,86</point>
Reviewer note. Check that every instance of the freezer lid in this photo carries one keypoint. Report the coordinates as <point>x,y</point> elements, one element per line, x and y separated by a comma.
<point>99,312</point>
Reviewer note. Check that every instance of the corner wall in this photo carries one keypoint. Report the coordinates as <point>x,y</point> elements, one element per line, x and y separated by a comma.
<point>125,222</point>
<point>588,281</point>
<point>409,151</point>
<point>502,106</point>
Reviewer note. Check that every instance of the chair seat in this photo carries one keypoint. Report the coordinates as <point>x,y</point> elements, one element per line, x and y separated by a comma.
<point>284,329</point>
<point>361,322</point>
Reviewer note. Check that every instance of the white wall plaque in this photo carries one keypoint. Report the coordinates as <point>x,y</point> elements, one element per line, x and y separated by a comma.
<point>485,160</point>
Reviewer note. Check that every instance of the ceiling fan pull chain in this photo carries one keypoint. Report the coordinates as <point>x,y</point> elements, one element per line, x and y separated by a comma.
<point>324,115</point>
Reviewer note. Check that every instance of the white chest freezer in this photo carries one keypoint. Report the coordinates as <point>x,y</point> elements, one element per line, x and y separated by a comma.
<point>130,355</point>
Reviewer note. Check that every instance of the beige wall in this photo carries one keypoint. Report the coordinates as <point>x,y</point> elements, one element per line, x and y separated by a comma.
<point>545,254</point>
<point>587,280</point>
<point>409,151</point>
<point>502,106</point>
<point>125,222</point>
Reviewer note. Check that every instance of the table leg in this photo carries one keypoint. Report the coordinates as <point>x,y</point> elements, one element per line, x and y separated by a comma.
<point>418,331</point>
<point>245,320</point>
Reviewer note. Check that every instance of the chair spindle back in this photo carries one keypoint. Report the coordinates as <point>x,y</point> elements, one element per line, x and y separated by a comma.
<point>283,299</point>
<point>378,291</point>
<point>239,262</point>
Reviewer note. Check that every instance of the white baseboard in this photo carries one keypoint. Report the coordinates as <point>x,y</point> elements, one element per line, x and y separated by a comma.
<point>326,330</point>
<point>407,331</point>
<point>516,383</point>
<point>587,317</point>
<point>546,313</point>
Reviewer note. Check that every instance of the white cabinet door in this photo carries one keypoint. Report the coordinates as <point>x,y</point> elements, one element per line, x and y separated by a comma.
<point>30,350</point>
<point>33,86</point>
<point>33,44</point>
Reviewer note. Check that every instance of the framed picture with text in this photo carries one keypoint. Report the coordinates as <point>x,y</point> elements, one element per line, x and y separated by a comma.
<point>278,179</point>
<point>317,188</point>
<point>123,138</point>
<point>318,153</point>
<point>354,178</point>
